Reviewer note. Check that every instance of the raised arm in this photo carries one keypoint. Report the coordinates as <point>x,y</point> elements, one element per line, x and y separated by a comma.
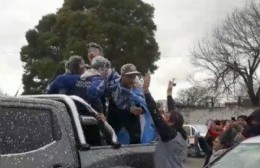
<point>170,102</point>
<point>166,132</point>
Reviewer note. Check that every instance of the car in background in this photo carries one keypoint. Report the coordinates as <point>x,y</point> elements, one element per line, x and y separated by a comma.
<point>193,131</point>
<point>244,155</point>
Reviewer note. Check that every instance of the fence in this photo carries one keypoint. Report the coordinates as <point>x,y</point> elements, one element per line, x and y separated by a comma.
<point>210,102</point>
<point>241,101</point>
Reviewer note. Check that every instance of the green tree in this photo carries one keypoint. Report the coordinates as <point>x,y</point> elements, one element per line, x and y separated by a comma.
<point>124,29</point>
<point>231,56</point>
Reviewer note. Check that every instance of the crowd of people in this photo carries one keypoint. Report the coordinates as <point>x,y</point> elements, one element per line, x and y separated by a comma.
<point>225,134</point>
<point>127,104</point>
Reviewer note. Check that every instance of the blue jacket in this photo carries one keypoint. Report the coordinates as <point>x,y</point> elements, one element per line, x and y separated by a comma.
<point>90,89</point>
<point>124,98</point>
<point>63,84</point>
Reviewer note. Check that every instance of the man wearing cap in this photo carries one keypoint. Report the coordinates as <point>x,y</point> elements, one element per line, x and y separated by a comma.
<point>128,113</point>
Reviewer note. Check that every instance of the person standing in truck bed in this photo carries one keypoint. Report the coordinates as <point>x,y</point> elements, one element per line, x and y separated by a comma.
<point>128,113</point>
<point>71,83</point>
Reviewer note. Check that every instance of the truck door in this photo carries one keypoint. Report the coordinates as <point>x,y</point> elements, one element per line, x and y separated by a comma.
<point>109,156</point>
<point>32,134</point>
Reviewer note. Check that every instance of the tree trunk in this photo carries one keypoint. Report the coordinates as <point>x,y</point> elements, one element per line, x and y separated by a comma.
<point>253,97</point>
<point>254,100</point>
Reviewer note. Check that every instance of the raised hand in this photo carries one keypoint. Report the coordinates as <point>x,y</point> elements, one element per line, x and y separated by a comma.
<point>169,89</point>
<point>100,117</point>
<point>146,84</point>
<point>137,111</point>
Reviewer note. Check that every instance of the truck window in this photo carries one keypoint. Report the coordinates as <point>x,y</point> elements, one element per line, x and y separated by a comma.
<point>26,129</point>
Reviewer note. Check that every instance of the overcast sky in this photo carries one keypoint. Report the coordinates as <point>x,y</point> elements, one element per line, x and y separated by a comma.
<point>180,24</point>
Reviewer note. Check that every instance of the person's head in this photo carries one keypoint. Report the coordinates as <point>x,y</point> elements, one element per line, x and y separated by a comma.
<point>253,123</point>
<point>210,123</point>
<point>94,50</point>
<point>227,125</point>
<point>222,123</point>
<point>128,74</point>
<point>173,118</point>
<point>233,119</point>
<point>254,118</point>
<point>75,64</point>
<point>101,64</point>
<point>217,122</point>
<point>241,119</point>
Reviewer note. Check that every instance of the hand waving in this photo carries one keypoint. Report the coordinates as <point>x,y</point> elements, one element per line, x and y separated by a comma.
<point>169,89</point>
<point>146,84</point>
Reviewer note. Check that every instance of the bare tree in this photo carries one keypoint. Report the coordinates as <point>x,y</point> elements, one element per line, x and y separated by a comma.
<point>231,56</point>
<point>198,96</point>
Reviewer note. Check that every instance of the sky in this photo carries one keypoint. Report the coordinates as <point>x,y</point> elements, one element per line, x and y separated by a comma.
<point>180,25</point>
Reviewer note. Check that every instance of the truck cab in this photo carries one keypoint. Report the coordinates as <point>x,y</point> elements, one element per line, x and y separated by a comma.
<point>47,131</point>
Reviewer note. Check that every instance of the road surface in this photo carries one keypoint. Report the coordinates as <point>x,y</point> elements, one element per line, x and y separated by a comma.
<point>193,162</point>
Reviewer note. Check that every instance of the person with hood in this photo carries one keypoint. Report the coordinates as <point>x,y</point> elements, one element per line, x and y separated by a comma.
<point>171,146</point>
<point>70,83</point>
<point>94,80</point>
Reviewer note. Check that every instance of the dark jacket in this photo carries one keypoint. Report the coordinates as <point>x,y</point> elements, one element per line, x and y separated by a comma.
<point>178,118</point>
<point>118,119</point>
<point>171,148</point>
<point>90,89</point>
<point>166,133</point>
